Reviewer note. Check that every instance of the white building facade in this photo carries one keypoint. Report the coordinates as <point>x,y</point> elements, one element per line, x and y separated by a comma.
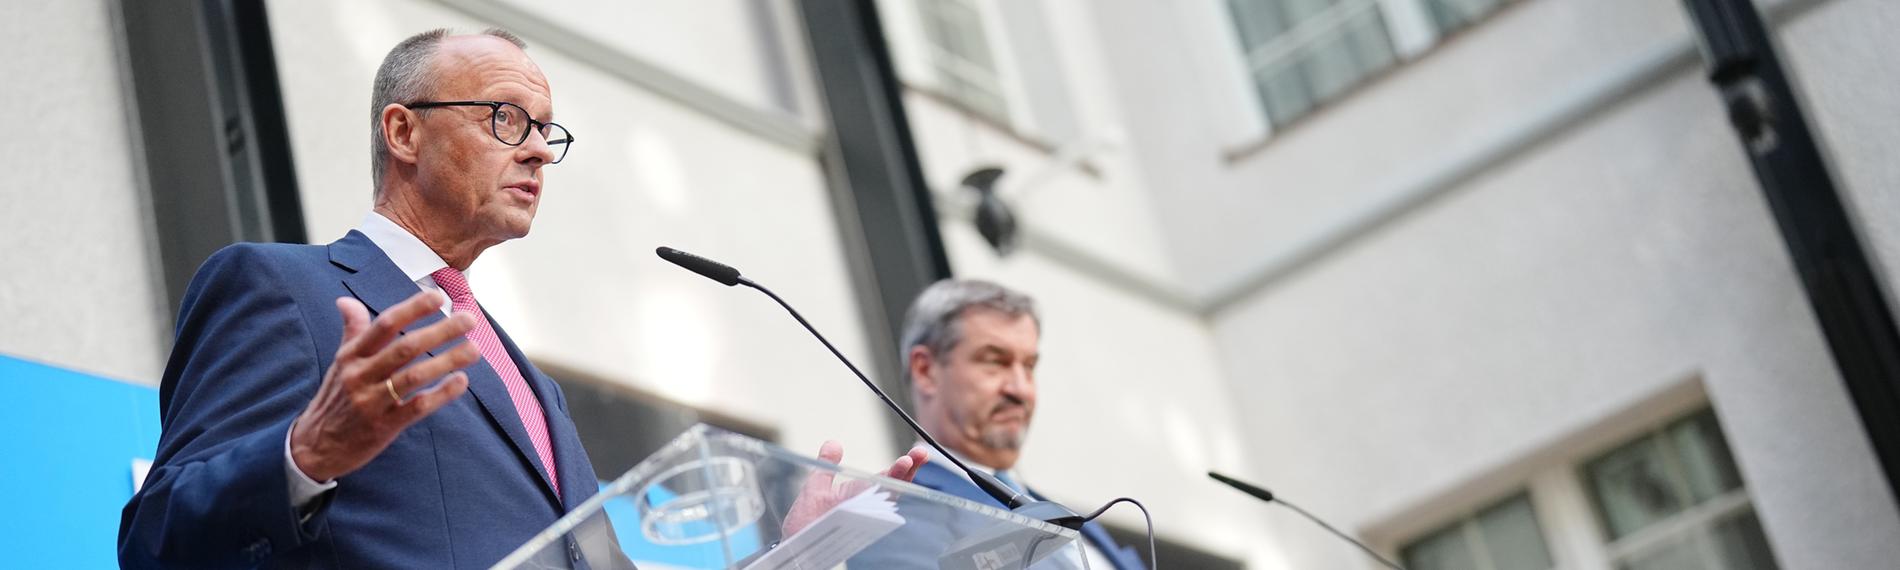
<point>1487,283</point>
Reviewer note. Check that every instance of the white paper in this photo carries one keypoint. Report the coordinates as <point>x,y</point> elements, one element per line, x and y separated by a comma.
<point>837,535</point>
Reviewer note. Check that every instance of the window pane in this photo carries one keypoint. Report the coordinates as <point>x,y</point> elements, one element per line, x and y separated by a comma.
<point>1285,94</point>
<point>1259,21</point>
<point>1705,457</point>
<point>1444,550</point>
<point>1741,545</point>
<point>1679,554</point>
<point>1632,488</point>
<point>1454,14</point>
<point>1512,536</point>
<point>1338,43</point>
<point>961,56</point>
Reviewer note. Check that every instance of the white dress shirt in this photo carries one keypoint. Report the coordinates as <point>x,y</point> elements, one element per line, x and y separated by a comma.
<point>418,263</point>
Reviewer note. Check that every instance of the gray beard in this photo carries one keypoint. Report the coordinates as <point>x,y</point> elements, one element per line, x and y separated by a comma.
<point>1005,438</point>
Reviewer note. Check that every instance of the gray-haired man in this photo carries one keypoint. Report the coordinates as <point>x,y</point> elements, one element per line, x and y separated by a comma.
<point>970,348</point>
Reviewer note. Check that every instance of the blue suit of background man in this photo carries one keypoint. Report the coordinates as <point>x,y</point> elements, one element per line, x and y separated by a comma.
<point>934,475</point>
<point>257,331</point>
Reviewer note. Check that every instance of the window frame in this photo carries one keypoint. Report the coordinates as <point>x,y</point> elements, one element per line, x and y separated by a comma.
<point>1472,533</point>
<point>1693,522</point>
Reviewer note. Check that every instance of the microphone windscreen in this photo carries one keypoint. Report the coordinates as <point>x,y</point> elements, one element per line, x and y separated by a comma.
<point>713,270</point>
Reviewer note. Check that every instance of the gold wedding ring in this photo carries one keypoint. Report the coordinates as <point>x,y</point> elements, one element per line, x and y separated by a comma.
<point>390,383</point>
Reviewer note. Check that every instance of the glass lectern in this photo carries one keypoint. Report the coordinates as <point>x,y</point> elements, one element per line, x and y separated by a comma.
<point>712,499</point>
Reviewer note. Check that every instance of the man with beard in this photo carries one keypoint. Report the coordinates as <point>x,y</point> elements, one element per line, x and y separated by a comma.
<point>970,348</point>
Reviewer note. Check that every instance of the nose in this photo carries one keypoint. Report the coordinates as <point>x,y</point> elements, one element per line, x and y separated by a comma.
<point>535,150</point>
<point>1020,383</point>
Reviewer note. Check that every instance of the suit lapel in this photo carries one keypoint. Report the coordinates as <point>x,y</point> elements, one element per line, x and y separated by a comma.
<point>379,284</point>
<point>374,279</point>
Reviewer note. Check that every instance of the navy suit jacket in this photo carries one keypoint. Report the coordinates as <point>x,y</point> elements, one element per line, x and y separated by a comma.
<point>257,330</point>
<point>892,552</point>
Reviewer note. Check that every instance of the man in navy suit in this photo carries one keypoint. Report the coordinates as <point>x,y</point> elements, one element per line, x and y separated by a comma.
<point>970,348</point>
<point>350,405</point>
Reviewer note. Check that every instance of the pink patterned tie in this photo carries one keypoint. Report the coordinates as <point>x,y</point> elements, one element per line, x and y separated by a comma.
<point>486,342</point>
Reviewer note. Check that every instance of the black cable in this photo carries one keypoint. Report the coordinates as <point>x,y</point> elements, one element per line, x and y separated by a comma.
<point>1153,560</point>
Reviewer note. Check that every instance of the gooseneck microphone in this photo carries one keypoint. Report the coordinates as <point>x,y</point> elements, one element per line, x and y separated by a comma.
<point>1018,503</point>
<point>1267,496</point>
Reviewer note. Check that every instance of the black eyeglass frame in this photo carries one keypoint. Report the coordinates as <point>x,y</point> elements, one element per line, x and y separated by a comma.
<point>494,123</point>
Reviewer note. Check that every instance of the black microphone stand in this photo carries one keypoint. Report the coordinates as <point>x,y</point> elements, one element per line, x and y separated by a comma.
<point>1046,511</point>
<point>1267,496</point>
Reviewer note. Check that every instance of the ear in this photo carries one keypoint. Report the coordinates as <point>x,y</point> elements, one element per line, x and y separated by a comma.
<point>400,132</point>
<point>923,369</point>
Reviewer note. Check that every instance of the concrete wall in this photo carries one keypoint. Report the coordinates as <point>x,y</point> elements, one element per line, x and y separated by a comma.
<point>1553,292</point>
<point>81,289</point>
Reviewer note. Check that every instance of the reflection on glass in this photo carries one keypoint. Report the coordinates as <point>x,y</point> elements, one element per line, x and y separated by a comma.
<point>1303,52</point>
<point>1676,497</point>
<point>966,70</point>
<point>1705,457</point>
<point>1512,536</point>
<point>1632,487</point>
<point>1504,536</point>
<point>1445,550</point>
<point>1453,14</point>
<point>1740,544</point>
<point>1680,554</point>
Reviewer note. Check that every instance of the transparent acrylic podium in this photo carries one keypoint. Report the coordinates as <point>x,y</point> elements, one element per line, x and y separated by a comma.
<point>713,499</point>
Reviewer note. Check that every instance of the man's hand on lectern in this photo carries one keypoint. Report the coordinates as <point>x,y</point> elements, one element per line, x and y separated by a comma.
<point>821,492</point>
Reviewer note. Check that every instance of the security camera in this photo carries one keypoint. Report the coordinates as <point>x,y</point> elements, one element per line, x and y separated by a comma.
<point>994,221</point>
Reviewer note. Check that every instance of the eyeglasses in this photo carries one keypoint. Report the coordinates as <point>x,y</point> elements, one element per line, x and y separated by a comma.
<point>510,124</point>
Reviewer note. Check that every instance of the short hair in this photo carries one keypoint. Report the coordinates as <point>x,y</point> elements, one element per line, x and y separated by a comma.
<point>407,76</point>
<point>935,319</point>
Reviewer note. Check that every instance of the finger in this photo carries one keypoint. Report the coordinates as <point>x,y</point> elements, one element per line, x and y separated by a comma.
<point>831,452</point>
<point>384,363</point>
<point>427,401</point>
<point>900,467</point>
<point>422,373</point>
<point>392,321</point>
<point>355,317</point>
<point>918,457</point>
<point>821,479</point>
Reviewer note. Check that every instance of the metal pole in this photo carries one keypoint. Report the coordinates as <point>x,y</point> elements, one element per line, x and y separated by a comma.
<point>1839,280</point>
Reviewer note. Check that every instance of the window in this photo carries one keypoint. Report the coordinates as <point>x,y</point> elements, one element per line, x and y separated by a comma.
<point>960,57</point>
<point>1504,536</point>
<point>1451,15</point>
<point>1301,53</point>
<point>1674,499</point>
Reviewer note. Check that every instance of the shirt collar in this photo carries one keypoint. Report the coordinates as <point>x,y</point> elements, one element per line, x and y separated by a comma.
<point>413,257</point>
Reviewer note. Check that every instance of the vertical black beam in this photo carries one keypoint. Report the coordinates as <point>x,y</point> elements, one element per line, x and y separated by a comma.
<point>877,184</point>
<point>211,121</point>
<point>1841,283</point>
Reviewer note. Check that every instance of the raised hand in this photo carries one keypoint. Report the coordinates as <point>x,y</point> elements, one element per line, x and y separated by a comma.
<point>821,492</point>
<point>371,392</point>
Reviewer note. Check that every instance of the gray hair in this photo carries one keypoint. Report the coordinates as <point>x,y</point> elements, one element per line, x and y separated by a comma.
<point>405,77</point>
<point>935,319</point>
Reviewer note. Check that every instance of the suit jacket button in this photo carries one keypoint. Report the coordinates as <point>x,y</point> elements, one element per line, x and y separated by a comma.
<point>573,550</point>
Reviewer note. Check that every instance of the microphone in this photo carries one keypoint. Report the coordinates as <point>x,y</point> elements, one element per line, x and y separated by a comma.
<point>1267,496</point>
<point>713,270</point>
<point>1018,503</point>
